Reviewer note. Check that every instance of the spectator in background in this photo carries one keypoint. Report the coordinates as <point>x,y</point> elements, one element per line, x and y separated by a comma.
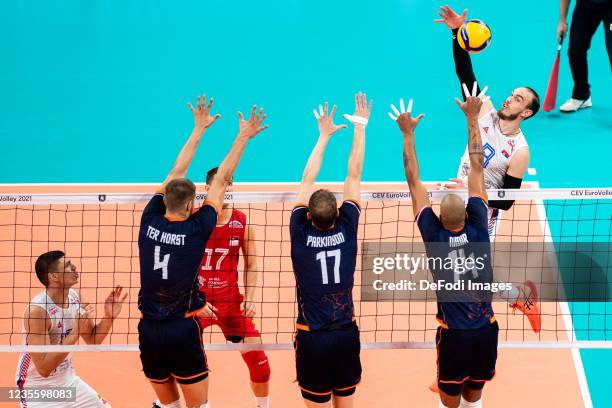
<point>588,15</point>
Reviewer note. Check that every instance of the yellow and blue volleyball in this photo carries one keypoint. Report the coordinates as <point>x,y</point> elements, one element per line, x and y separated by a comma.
<point>474,36</point>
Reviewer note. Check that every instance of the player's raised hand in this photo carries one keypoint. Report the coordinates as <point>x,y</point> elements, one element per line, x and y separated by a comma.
<point>362,110</point>
<point>449,17</point>
<point>248,308</point>
<point>325,120</point>
<point>403,116</point>
<point>473,102</point>
<point>208,312</point>
<point>113,303</point>
<point>202,117</point>
<point>249,128</point>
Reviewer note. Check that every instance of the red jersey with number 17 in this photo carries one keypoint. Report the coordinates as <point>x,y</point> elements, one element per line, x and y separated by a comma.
<point>219,267</point>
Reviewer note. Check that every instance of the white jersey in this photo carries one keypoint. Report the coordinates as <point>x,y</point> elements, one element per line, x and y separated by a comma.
<point>497,149</point>
<point>62,322</point>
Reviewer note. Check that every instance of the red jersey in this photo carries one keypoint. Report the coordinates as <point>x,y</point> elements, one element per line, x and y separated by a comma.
<point>219,266</point>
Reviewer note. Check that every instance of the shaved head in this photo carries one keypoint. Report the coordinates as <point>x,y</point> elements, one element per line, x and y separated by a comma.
<point>452,212</point>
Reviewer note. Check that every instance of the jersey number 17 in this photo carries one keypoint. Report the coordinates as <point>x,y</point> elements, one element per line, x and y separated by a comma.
<point>322,257</point>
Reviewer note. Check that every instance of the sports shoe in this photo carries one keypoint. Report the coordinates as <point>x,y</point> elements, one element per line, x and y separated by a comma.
<point>572,105</point>
<point>155,405</point>
<point>528,304</point>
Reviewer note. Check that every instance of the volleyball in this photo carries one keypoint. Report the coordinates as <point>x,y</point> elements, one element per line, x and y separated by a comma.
<point>474,36</point>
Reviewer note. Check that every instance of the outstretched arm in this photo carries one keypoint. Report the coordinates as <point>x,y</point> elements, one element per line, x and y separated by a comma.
<point>471,107</point>
<point>327,128</point>
<point>202,121</point>
<point>407,125</point>
<point>248,129</point>
<point>463,62</point>
<point>352,183</point>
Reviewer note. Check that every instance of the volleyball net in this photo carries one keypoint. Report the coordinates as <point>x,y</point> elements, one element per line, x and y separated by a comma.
<point>559,239</point>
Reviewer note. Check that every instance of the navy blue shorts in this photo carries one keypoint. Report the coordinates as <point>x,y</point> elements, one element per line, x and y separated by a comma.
<point>466,357</point>
<point>327,362</point>
<point>172,349</point>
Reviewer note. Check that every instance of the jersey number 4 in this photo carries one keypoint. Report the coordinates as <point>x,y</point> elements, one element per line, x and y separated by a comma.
<point>160,263</point>
<point>322,257</point>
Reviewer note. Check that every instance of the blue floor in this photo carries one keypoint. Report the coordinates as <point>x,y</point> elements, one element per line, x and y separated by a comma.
<point>97,91</point>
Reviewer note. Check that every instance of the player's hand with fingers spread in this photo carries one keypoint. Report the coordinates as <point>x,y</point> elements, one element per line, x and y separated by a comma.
<point>362,110</point>
<point>473,103</point>
<point>208,312</point>
<point>113,303</point>
<point>248,308</point>
<point>202,117</point>
<point>249,128</point>
<point>403,117</point>
<point>325,120</point>
<point>449,17</point>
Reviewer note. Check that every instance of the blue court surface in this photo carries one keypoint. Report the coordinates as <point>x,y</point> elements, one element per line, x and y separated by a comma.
<point>96,91</point>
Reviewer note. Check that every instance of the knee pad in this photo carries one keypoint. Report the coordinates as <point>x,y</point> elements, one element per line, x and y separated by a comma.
<point>259,367</point>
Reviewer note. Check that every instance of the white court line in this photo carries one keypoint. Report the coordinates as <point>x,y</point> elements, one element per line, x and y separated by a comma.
<point>565,311</point>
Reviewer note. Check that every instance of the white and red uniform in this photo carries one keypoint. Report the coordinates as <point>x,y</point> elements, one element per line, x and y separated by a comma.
<point>497,150</point>
<point>218,278</point>
<point>62,322</point>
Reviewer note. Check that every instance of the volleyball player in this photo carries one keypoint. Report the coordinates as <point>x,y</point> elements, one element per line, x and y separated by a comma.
<point>324,253</point>
<point>57,316</point>
<point>218,279</point>
<point>505,150</point>
<point>467,337</point>
<point>171,245</point>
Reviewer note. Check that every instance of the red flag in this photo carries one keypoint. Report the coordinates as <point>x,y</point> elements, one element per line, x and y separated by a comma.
<point>551,92</point>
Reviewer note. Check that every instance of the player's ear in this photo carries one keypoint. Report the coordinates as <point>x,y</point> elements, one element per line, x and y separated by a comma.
<point>526,113</point>
<point>337,213</point>
<point>308,216</point>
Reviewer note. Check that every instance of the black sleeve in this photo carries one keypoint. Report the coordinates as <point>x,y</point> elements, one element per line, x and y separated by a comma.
<point>298,218</point>
<point>350,212</point>
<point>509,182</point>
<point>155,206</point>
<point>206,218</point>
<point>463,65</point>
<point>477,212</point>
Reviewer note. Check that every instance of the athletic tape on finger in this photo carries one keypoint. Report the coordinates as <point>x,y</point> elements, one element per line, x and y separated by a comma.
<point>316,113</point>
<point>394,109</point>
<point>355,119</point>
<point>393,118</point>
